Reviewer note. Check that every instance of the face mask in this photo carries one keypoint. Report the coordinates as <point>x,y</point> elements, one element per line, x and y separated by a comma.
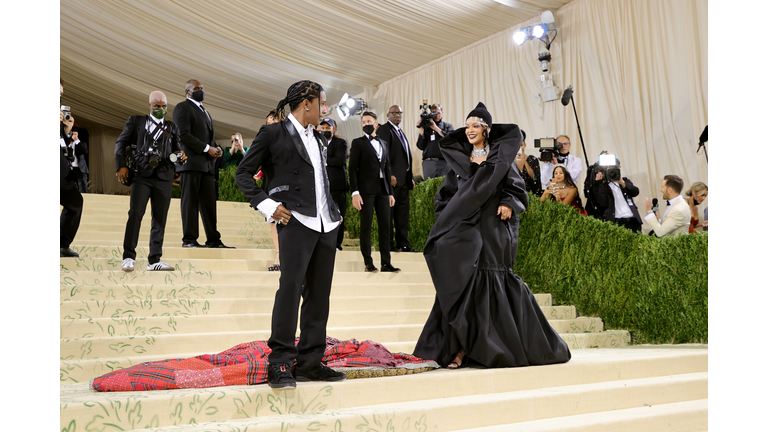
<point>159,113</point>
<point>327,134</point>
<point>198,95</point>
<point>368,129</point>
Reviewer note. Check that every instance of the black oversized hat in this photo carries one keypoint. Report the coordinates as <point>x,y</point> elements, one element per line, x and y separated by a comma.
<point>482,113</point>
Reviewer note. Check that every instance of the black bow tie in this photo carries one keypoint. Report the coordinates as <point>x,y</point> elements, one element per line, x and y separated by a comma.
<point>667,202</point>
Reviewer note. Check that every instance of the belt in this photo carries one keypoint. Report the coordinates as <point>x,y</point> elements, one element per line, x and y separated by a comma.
<point>626,219</point>
<point>433,159</point>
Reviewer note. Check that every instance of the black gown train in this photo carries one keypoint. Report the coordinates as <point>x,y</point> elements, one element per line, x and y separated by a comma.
<point>481,305</point>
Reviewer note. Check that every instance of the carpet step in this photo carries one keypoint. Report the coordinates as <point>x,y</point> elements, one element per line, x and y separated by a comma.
<point>238,242</point>
<point>689,416</point>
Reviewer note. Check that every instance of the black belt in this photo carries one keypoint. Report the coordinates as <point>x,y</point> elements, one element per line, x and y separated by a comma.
<point>433,159</point>
<point>626,219</point>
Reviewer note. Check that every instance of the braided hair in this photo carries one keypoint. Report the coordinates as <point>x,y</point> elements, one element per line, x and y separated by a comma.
<point>296,94</point>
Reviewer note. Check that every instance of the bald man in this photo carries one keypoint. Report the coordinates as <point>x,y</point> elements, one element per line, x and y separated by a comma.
<point>149,141</point>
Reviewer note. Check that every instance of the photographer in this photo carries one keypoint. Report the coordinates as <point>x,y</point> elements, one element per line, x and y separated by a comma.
<point>614,198</point>
<point>572,162</point>
<point>152,146</point>
<point>79,164</point>
<point>528,165</point>
<point>234,154</point>
<point>69,198</point>
<point>431,130</point>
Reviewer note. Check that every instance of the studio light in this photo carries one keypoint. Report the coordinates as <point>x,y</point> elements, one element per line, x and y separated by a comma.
<point>544,32</point>
<point>348,106</point>
<point>520,36</point>
<point>540,30</point>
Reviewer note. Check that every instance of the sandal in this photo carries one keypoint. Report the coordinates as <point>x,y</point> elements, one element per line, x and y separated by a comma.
<point>464,361</point>
<point>274,267</point>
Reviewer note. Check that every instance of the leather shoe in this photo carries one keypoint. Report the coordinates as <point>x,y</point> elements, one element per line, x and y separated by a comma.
<point>389,268</point>
<point>318,373</point>
<point>193,244</point>
<point>371,268</point>
<point>68,253</point>
<point>279,376</point>
<point>220,246</point>
<point>408,249</point>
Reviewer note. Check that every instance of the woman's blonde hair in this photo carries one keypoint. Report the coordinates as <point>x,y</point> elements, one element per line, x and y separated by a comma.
<point>696,187</point>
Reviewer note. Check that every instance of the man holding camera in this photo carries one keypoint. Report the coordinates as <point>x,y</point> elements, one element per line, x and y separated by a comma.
<point>614,194</point>
<point>677,216</point>
<point>198,175</point>
<point>571,162</point>
<point>69,197</point>
<point>431,130</point>
<point>151,144</point>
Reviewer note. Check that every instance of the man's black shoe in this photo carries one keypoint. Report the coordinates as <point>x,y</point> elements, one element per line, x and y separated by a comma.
<point>279,376</point>
<point>193,244</point>
<point>220,245</point>
<point>408,249</point>
<point>395,249</point>
<point>318,373</point>
<point>68,253</point>
<point>370,268</point>
<point>389,268</point>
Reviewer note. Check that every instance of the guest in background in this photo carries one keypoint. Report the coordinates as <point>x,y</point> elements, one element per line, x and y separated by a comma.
<point>563,189</point>
<point>336,160</point>
<point>69,197</point>
<point>695,196</point>
<point>529,169</point>
<point>235,153</point>
<point>677,216</point>
<point>564,157</point>
<point>79,165</point>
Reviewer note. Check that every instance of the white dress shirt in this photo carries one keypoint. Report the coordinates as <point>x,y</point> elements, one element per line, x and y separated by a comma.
<point>200,105</point>
<point>379,152</point>
<point>572,164</point>
<point>322,222</point>
<point>621,206</point>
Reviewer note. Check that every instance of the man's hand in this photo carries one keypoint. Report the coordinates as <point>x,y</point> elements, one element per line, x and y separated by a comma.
<point>183,156</point>
<point>357,202</point>
<point>282,215</point>
<point>394,181</point>
<point>598,176</point>
<point>414,183</point>
<point>648,205</point>
<point>391,200</point>
<point>68,123</point>
<point>74,136</point>
<point>214,152</point>
<point>621,182</point>
<point>122,175</point>
<point>505,211</point>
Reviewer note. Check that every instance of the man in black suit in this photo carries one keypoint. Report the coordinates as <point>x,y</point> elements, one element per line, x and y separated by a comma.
<point>197,176</point>
<point>336,157</point>
<point>401,163</point>
<point>149,140</point>
<point>80,165</point>
<point>614,198</point>
<point>69,198</point>
<point>297,195</point>
<point>369,173</point>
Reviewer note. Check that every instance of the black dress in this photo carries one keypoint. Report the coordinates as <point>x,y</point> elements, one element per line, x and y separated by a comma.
<point>481,306</point>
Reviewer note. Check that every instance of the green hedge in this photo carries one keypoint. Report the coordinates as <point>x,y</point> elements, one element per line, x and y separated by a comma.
<point>655,288</point>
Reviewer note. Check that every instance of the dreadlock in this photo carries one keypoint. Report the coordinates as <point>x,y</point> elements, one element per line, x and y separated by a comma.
<point>296,94</point>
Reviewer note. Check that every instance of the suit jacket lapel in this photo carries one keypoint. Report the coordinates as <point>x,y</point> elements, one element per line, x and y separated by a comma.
<point>297,140</point>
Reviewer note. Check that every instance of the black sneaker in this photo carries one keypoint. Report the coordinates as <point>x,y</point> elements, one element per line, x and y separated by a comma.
<point>318,373</point>
<point>279,376</point>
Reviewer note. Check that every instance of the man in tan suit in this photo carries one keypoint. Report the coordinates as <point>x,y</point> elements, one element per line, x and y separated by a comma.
<point>677,217</point>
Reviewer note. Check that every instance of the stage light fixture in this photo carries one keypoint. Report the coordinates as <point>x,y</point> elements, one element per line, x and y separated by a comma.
<point>521,36</point>
<point>544,32</point>
<point>349,106</point>
<point>540,30</point>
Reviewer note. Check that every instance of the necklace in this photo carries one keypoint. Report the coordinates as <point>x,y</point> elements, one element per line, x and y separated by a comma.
<point>479,153</point>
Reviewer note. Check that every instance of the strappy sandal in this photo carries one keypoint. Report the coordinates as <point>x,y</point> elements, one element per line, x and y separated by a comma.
<point>464,362</point>
<point>274,267</point>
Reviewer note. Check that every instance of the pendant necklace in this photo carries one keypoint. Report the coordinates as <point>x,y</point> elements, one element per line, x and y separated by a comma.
<point>479,153</point>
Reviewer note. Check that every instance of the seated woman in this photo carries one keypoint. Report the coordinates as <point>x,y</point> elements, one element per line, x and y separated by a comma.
<point>563,189</point>
<point>695,196</point>
<point>234,154</point>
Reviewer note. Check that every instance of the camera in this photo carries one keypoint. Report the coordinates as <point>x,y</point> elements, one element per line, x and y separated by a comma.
<point>426,114</point>
<point>548,147</point>
<point>175,159</point>
<point>606,164</point>
<point>67,112</point>
<point>153,156</point>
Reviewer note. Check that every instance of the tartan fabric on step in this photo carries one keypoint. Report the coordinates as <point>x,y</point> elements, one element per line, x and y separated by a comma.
<point>246,364</point>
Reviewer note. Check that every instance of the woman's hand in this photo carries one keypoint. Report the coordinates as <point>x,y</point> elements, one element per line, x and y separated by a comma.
<point>505,211</point>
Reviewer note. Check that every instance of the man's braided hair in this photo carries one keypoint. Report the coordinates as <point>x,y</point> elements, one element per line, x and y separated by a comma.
<point>296,94</point>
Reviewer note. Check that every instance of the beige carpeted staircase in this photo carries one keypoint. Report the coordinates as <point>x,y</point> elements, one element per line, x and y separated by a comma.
<point>218,298</point>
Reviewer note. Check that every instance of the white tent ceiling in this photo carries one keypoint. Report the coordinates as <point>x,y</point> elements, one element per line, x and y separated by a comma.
<point>247,53</point>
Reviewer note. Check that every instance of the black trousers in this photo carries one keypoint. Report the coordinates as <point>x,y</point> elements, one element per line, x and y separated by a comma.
<point>142,190</point>
<point>340,198</point>
<point>379,203</point>
<point>307,258</point>
<point>401,215</point>
<point>72,201</point>
<point>629,223</point>
<point>82,180</point>
<point>198,195</point>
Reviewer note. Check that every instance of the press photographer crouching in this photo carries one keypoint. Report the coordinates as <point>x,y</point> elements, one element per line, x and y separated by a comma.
<point>431,129</point>
<point>613,194</point>
<point>146,153</point>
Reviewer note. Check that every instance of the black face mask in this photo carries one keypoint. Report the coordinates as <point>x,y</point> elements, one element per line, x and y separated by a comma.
<point>198,95</point>
<point>327,134</point>
<point>368,129</point>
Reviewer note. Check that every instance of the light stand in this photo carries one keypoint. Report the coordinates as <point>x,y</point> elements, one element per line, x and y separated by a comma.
<point>567,97</point>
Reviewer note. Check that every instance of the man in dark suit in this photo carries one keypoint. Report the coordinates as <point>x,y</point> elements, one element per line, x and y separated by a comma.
<point>197,176</point>
<point>297,195</point>
<point>150,140</point>
<point>369,173</point>
<point>69,198</point>
<point>433,164</point>
<point>80,165</point>
<point>336,157</point>
<point>401,163</point>
<point>614,199</point>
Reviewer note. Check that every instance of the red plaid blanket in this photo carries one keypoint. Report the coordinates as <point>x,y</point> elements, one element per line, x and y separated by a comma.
<point>247,364</point>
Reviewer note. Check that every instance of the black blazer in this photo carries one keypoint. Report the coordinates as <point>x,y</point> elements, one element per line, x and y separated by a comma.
<point>337,164</point>
<point>67,180</point>
<point>288,172</point>
<point>605,201</point>
<point>196,131</point>
<point>364,167</point>
<point>399,162</point>
<point>134,133</point>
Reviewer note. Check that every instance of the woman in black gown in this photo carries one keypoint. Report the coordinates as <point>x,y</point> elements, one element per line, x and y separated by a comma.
<point>482,311</point>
